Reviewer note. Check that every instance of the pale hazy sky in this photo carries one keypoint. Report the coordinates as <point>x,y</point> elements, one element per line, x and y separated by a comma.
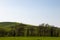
<point>30,11</point>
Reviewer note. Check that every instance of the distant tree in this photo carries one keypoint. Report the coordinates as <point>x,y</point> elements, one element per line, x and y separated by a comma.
<point>2,32</point>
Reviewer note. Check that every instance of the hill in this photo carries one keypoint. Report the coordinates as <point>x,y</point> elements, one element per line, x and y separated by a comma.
<point>8,24</point>
<point>19,29</point>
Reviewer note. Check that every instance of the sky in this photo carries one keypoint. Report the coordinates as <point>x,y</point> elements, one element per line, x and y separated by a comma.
<point>33,12</point>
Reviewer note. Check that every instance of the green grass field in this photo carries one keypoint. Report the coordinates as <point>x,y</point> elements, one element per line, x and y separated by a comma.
<point>29,38</point>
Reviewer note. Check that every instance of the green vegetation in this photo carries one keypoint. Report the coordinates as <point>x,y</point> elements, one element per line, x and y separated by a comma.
<point>8,24</point>
<point>14,29</point>
<point>29,38</point>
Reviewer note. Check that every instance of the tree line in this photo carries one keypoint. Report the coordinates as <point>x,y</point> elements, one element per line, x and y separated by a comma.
<point>30,30</point>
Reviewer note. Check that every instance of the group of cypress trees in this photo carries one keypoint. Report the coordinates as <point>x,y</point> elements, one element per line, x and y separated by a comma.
<point>30,30</point>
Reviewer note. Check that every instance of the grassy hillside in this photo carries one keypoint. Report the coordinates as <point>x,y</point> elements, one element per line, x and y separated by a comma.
<point>8,24</point>
<point>14,29</point>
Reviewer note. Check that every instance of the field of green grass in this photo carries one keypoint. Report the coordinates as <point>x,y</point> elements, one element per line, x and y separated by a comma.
<point>29,38</point>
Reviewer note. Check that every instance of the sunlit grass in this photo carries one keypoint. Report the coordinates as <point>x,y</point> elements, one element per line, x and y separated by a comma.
<point>29,38</point>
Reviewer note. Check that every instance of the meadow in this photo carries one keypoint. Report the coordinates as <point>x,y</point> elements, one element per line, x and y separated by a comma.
<point>29,38</point>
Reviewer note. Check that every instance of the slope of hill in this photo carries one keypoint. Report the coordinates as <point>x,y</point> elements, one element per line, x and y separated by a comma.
<point>8,24</point>
<point>19,29</point>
